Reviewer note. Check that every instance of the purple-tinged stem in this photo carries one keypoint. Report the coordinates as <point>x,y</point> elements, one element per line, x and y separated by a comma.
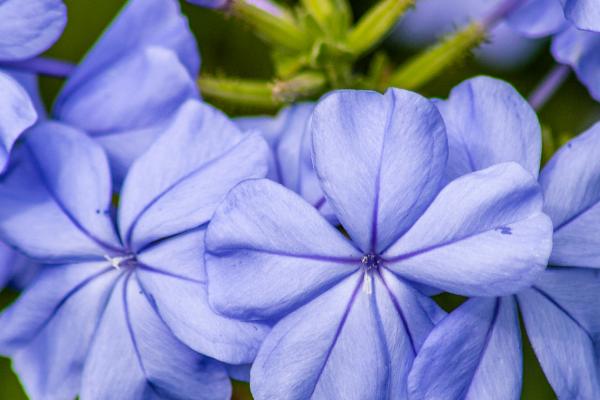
<point>43,66</point>
<point>548,86</point>
<point>499,13</point>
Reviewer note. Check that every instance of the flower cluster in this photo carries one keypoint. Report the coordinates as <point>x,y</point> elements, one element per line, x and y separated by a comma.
<point>163,247</point>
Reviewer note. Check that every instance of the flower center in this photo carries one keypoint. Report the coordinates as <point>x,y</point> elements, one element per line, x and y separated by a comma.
<point>118,262</point>
<point>371,262</point>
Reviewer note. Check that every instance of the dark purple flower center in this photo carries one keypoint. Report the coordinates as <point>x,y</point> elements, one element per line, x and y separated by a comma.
<point>371,262</point>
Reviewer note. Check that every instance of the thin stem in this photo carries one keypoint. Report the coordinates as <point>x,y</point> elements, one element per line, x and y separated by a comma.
<point>376,24</point>
<point>548,86</point>
<point>44,66</point>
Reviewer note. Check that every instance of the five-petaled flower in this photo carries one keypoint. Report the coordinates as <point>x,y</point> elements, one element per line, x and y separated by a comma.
<point>344,307</point>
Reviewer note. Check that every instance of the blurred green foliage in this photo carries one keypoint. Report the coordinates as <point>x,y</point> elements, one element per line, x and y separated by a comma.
<point>230,49</point>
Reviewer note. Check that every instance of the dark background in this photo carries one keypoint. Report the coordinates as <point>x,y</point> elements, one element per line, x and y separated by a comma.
<point>228,48</point>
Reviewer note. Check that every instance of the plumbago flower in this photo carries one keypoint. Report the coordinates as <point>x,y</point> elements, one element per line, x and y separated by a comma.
<point>475,352</point>
<point>290,141</point>
<point>132,81</point>
<point>343,307</point>
<point>110,317</point>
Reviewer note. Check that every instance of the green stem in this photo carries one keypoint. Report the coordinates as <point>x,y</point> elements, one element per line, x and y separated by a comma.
<point>253,93</point>
<point>427,65</point>
<point>278,29</point>
<point>376,24</point>
<point>262,94</point>
<point>333,16</point>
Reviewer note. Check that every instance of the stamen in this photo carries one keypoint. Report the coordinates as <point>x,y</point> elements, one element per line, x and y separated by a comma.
<point>367,286</point>
<point>118,260</point>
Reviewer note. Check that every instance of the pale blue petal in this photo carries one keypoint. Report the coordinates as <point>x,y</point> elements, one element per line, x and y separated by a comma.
<point>141,23</point>
<point>365,340</point>
<point>538,18</point>
<point>488,122</point>
<point>268,252</point>
<point>571,185</point>
<point>561,317</point>
<point>474,353</point>
<point>172,274</point>
<point>177,184</point>
<point>17,113</point>
<point>47,331</point>
<point>137,91</point>
<point>55,201</point>
<point>380,160</point>
<point>580,50</point>
<point>135,356</point>
<point>484,235</point>
<point>29,27</point>
<point>585,14</point>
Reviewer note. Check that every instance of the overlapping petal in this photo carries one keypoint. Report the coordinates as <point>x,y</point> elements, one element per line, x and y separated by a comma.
<point>268,252</point>
<point>135,355</point>
<point>366,341</point>
<point>177,184</point>
<point>62,308</point>
<point>136,91</point>
<point>380,160</point>
<point>55,200</point>
<point>585,14</point>
<point>141,23</point>
<point>29,27</point>
<point>172,274</point>
<point>580,50</point>
<point>571,185</point>
<point>17,113</point>
<point>488,123</point>
<point>484,235</point>
<point>474,353</point>
<point>561,318</point>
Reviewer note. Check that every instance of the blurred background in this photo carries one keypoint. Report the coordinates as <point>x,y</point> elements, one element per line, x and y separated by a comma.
<point>230,49</point>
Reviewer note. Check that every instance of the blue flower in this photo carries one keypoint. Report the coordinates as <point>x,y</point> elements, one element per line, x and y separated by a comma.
<point>132,81</point>
<point>266,5</point>
<point>475,352</point>
<point>344,308</point>
<point>29,27</point>
<point>124,296</point>
<point>288,135</point>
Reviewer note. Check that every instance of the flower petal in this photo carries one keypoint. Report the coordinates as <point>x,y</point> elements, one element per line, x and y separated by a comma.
<point>537,18</point>
<point>380,159</point>
<point>177,184</point>
<point>18,114</point>
<point>29,27</point>
<point>484,235</point>
<point>268,252</point>
<point>561,318</point>
<point>488,122</point>
<point>474,353</point>
<point>173,275</point>
<point>55,201</point>
<point>135,356</point>
<point>141,24</point>
<point>137,91</point>
<point>47,331</point>
<point>580,50</point>
<point>585,14</point>
<point>345,335</point>
<point>571,185</point>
